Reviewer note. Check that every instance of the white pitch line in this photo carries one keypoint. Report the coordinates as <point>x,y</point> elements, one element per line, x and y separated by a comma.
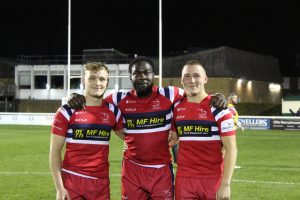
<point>25,173</point>
<point>37,173</point>
<point>119,175</point>
<point>265,182</point>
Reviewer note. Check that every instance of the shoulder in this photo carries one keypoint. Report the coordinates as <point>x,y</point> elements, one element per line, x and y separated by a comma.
<point>64,111</point>
<point>116,97</point>
<point>171,92</point>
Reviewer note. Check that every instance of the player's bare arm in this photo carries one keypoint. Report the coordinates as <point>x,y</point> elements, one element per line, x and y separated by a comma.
<point>56,145</point>
<point>172,138</point>
<point>229,143</point>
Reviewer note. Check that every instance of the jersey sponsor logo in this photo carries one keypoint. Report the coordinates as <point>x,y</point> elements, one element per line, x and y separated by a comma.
<point>202,113</point>
<point>91,134</point>
<point>156,105</point>
<point>180,116</point>
<point>130,101</point>
<point>80,120</point>
<point>227,125</point>
<point>56,120</point>
<point>168,194</point>
<point>105,117</point>
<point>153,122</point>
<point>194,131</point>
<point>179,109</point>
<point>56,127</point>
<point>130,109</point>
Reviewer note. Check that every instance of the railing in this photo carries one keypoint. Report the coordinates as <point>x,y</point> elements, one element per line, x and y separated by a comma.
<point>75,59</point>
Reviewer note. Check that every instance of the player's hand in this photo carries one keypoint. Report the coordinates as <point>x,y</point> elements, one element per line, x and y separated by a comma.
<point>219,101</point>
<point>223,192</point>
<point>62,194</point>
<point>125,146</point>
<point>172,138</point>
<point>76,101</point>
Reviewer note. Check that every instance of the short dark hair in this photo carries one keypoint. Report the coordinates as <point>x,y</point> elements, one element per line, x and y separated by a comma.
<point>193,62</point>
<point>140,59</point>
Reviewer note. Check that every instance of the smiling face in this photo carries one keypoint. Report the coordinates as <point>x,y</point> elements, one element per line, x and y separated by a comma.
<point>95,80</point>
<point>193,79</point>
<point>142,77</point>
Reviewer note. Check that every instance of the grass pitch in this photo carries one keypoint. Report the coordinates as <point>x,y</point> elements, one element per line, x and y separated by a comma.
<point>269,160</point>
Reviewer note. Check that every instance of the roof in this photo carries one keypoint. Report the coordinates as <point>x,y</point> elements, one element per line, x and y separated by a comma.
<point>228,62</point>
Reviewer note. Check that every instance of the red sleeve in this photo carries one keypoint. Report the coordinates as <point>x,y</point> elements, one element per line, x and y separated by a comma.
<point>60,124</point>
<point>109,99</point>
<point>178,94</point>
<point>225,123</point>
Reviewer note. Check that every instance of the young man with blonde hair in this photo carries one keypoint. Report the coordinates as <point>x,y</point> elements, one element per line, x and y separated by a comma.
<point>83,173</point>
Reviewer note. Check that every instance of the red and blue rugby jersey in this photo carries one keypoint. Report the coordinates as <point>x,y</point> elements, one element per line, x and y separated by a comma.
<point>200,128</point>
<point>87,135</point>
<point>146,123</point>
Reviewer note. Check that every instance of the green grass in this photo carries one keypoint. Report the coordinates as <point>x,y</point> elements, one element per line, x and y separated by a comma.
<point>269,160</point>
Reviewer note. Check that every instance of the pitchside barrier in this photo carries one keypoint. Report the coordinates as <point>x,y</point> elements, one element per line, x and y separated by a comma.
<point>248,122</point>
<point>270,122</point>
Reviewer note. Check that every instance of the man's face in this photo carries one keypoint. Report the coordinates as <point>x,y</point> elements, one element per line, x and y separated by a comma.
<point>193,79</point>
<point>142,78</point>
<point>95,83</point>
<point>234,99</point>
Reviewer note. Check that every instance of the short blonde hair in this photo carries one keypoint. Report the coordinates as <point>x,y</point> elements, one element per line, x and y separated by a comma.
<point>96,66</point>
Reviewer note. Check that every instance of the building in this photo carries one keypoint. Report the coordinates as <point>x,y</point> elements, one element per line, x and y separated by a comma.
<point>42,83</point>
<point>254,78</point>
<point>7,85</point>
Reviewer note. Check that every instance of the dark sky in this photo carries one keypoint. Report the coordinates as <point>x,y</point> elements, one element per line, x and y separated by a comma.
<point>40,27</point>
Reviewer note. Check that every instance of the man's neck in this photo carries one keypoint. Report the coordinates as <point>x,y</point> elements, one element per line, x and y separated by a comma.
<point>197,98</point>
<point>142,95</point>
<point>93,101</point>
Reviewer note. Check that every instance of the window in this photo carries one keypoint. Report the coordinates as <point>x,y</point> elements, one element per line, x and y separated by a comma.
<point>286,83</point>
<point>75,83</point>
<point>125,82</point>
<point>112,80</point>
<point>75,73</point>
<point>40,82</point>
<point>24,79</point>
<point>57,82</point>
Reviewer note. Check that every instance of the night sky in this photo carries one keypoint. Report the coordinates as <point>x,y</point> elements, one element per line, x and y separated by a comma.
<point>40,28</point>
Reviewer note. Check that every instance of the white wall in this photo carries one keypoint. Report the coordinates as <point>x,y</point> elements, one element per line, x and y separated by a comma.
<point>58,94</point>
<point>286,105</point>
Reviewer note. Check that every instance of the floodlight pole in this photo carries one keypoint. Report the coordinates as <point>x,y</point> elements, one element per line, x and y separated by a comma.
<point>69,47</point>
<point>160,44</point>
